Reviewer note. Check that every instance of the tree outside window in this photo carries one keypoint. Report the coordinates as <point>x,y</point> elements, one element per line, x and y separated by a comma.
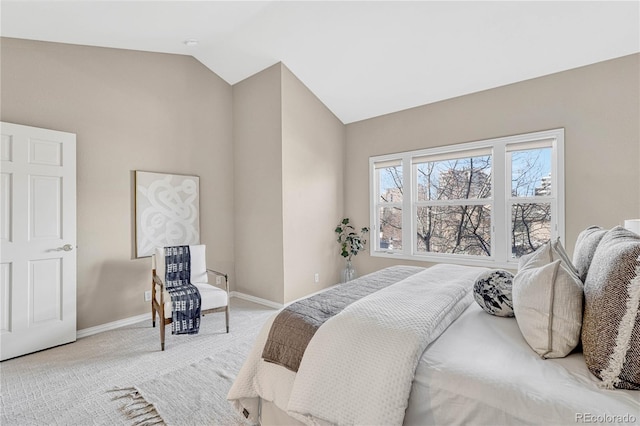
<point>495,199</point>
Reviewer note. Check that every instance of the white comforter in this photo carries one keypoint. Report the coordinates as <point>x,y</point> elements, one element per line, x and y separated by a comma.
<point>481,371</point>
<point>359,366</point>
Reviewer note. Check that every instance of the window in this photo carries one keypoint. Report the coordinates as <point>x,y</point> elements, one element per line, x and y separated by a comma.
<point>486,202</point>
<point>388,209</point>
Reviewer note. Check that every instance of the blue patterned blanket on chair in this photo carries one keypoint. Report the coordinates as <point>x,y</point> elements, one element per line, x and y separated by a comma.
<point>185,297</point>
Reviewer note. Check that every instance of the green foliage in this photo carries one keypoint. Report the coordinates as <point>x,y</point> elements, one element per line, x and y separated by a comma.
<point>351,242</point>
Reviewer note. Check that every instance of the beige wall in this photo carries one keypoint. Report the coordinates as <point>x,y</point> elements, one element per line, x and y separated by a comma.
<point>289,151</point>
<point>130,111</point>
<point>598,105</point>
<point>257,127</point>
<point>275,174</point>
<point>312,168</point>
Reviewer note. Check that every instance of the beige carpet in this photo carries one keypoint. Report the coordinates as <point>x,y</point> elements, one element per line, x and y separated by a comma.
<point>69,385</point>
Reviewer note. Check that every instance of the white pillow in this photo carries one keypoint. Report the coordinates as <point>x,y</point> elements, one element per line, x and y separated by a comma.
<point>547,302</point>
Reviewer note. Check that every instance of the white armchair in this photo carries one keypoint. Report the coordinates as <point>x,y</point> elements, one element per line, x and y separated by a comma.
<point>213,299</point>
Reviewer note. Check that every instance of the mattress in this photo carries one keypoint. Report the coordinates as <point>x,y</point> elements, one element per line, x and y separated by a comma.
<point>481,371</point>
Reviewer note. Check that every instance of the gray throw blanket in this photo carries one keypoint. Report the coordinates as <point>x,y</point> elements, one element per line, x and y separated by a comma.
<point>185,297</point>
<point>295,325</point>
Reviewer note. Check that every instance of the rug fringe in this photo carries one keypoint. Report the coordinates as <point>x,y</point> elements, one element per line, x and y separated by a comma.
<point>138,409</point>
<point>125,393</point>
<point>148,421</point>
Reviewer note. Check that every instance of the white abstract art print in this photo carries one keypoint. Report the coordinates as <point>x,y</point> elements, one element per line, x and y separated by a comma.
<point>167,211</point>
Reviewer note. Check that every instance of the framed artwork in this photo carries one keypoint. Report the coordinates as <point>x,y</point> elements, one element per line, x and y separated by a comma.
<point>167,211</point>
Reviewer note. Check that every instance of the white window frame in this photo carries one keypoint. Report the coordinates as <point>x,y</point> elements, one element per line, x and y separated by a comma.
<point>378,203</point>
<point>501,199</point>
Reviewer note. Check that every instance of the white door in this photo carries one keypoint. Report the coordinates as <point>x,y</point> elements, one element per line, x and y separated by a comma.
<point>38,239</point>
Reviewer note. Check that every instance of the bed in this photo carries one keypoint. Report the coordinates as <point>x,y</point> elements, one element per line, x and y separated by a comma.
<point>466,367</point>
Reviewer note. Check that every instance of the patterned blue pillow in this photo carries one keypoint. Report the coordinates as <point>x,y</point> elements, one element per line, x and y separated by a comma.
<point>492,291</point>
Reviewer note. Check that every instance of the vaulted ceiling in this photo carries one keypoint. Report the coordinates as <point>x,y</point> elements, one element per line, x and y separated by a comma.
<point>361,58</point>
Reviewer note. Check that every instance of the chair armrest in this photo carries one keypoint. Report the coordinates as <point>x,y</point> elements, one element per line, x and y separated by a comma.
<point>158,281</point>
<point>220,274</point>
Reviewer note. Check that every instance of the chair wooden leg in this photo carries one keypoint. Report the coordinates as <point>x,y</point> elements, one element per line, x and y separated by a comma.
<point>162,326</point>
<point>153,314</point>
<point>226,314</point>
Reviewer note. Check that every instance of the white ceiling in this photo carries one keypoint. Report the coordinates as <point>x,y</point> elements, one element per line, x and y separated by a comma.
<point>361,58</point>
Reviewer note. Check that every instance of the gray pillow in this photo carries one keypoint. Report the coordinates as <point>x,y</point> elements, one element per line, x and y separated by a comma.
<point>492,291</point>
<point>611,322</point>
<point>585,248</point>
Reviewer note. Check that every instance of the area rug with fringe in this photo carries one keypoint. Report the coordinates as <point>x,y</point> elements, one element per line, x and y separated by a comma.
<point>193,395</point>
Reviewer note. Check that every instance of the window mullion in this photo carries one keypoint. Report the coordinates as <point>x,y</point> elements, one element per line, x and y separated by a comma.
<point>461,202</point>
<point>499,218</point>
<point>408,226</point>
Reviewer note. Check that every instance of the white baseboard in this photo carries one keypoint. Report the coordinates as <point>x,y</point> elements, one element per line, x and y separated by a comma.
<point>255,299</point>
<point>85,332</point>
<point>112,325</point>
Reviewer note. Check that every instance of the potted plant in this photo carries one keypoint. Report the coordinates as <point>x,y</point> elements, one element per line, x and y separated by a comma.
<point>351,243</point>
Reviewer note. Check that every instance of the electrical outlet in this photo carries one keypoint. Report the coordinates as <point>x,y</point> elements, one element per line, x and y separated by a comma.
<point>218,280</point>
<point>147,296</point>
<point>316,277</point>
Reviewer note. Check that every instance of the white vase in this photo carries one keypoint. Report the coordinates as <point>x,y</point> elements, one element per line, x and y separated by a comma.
<point>349,272</point>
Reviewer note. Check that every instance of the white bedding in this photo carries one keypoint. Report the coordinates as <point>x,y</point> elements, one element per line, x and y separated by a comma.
<point>344,377</point>
<point>480,371</point>
<point>345,371</point>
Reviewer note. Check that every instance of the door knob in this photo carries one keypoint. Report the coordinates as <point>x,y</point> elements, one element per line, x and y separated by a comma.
<point>66,247</point>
